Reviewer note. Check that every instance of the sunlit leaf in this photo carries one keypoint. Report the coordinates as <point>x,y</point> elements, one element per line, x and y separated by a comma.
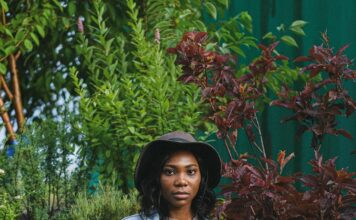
<point>72,8</point>
<point>28,45</point>
<point>40,30</point>
<point>289,40</point>
<point>298,23</point>
<point>211,9</point>
<point>4,6</point>
<point>2,68</point>
<point>269,35</point>
<point>35,38</point>
<point>224,3</point>
<point>20,34</point>
<point>297,30</point>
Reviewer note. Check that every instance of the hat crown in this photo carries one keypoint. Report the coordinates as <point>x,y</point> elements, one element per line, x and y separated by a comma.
<point>178,136</point>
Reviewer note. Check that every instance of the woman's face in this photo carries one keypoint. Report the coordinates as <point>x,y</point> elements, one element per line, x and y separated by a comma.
<point>180,179</point>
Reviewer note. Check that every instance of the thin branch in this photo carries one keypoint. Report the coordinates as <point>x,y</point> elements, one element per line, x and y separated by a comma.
<point>260,135</point>
<point>17,101</point>
<point>3,16</point>
<point>6,119</point>
<point>261,140</point>
<point>6,87</point>
<point>17,55</point>
<point>233,146</point>
<point>228,148</point>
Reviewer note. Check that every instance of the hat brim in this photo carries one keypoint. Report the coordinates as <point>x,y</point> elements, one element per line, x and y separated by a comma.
<point>156,150</point>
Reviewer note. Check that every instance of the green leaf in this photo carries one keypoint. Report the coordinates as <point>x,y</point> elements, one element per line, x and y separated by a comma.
<point>211,9</point>
<point>238,51</point>
<point>58,4</point>
<point>40,30</point>
<point>20,35</point>
<point>289,40</point>
<point>28,45</point>
<point>131,129</point>
<point>185,14</point>
<point>298,23</point>
<point>110,166</point>
<point>9,50</point>
<point>210,46</point>
<point>107,153</point>
<point>297,30</point>
<point>224,3</point>
<point>281,27</point>
<point>66,22</point>
<point>8,32</point>
<point>72,8</point>
<point>200,25</point>
<point>4,6</point>
<point>269,35</point>
<point>35,38</point>
<point>2,68</point>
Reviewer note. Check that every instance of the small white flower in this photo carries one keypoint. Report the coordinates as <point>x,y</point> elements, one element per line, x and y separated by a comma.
<point>18,197</point>
<point>2,171</point>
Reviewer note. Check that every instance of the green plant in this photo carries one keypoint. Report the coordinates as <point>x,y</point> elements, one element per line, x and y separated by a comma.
<point>106,203</point>
<point>9,208</point>
<point>38,173</point>
<point>133,102</point>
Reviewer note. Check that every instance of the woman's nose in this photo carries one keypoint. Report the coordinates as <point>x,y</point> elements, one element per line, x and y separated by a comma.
<point>180,180</point>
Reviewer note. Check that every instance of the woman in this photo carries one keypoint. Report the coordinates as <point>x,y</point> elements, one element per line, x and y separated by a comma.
<point>175,176</point>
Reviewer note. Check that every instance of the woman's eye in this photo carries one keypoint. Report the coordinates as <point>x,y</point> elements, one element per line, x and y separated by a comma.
<point>192,172</point>
<point>168,172</point>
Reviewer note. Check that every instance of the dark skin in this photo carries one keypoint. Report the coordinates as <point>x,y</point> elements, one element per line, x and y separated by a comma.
<point>180,180</point>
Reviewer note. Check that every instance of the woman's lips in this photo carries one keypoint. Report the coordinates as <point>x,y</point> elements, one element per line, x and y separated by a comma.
<point>181,195</point>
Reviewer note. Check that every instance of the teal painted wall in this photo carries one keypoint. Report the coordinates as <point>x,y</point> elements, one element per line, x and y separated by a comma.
<point>338,18</point>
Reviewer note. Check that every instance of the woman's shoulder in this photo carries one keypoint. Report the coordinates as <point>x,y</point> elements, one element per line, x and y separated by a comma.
<point>140,216</point>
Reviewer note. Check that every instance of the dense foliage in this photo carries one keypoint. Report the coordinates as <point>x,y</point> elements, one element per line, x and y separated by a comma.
<point>261,192</point>
<point>95,82</point>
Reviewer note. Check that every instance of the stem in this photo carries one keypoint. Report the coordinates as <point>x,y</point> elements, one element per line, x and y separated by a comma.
<point>262,148</point>
<point>6,87</point>
<point>260,135</point>
<point>17,93</point>
<point>3,16</point>
<point>228,148</point>
<point>232,146</point>
<point>6,119</point>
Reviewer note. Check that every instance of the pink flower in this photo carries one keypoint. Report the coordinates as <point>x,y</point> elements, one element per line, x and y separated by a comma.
<point>80,25</point>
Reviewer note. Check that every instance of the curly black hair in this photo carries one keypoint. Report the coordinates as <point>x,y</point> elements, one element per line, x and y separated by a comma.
<point>150,194</point>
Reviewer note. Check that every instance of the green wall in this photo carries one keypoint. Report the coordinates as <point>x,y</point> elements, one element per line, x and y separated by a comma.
<point>338,18</point>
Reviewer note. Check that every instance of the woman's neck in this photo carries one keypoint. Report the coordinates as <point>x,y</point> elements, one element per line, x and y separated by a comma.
<point>184,213</point>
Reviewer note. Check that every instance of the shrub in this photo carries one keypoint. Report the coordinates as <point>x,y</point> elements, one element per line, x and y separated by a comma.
<point>38,174</point>
<point>106,203</point>
<point>261,192</point>
<point>133,102</point>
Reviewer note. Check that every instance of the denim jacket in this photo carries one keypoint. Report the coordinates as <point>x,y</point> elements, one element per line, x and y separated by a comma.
<point>153,216</point>
<point>141,216</point>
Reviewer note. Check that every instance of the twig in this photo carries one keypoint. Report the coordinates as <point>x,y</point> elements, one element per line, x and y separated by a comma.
<point>233,146</point>
<point>6,119</point>
<point>261,138</point>
<point>3,16</point>
<point>6,88</point>
<point>228,149</point>
<point>262,148</point>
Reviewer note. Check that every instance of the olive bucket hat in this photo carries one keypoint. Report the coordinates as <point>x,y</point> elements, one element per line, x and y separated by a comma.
<point>154,151</point>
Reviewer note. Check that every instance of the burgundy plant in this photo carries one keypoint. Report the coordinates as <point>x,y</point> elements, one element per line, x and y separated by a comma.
<point>318,104</point>
<point>262,192</point>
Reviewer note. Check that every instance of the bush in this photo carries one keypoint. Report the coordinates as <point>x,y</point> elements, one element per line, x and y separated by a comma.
<point>107,203</point>
<point>260,191</point>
